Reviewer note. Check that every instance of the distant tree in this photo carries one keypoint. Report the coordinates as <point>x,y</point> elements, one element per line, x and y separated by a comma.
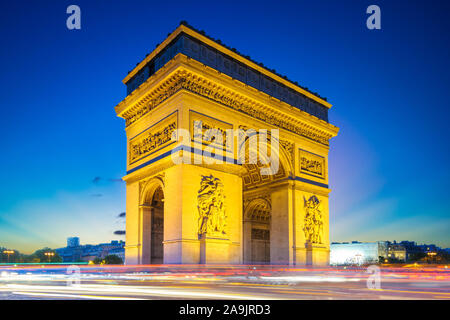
<point>41,256</point>
<point>113,259</point>
<point>98,260</point>
<point>394,260</point>
<point>109,259</point>
<point>417,256</point>
<point>9,257</point>
<point>445,256</point>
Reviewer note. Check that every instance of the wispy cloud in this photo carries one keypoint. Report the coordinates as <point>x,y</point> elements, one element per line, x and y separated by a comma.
<point>98,180</point>
<point>48,222</point>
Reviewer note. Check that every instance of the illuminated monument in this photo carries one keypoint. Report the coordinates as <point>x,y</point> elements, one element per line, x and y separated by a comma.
<point>209,212</point>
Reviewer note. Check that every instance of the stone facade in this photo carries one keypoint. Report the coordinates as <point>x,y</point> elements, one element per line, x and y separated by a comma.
<point>221,212</point>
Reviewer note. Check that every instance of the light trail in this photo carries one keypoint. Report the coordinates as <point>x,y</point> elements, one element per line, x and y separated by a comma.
<point>224,283</point>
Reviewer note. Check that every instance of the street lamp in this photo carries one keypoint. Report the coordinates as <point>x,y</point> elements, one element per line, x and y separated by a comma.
<point>431,256</point>
<point>49,254</point>
<point>8,252</point>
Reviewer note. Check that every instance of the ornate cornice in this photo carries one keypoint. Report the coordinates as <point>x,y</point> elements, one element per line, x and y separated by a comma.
<point>154,98</point>
<point>184,79</point>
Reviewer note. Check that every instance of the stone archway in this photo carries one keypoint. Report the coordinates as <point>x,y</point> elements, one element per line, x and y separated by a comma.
<point>152,219</point>
<point>256,231</point>
<point>157,228</point>
<point>254,179</point>
<point>259,235</point>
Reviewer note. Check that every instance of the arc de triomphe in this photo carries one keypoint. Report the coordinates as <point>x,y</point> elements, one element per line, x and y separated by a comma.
<point>192,212</point>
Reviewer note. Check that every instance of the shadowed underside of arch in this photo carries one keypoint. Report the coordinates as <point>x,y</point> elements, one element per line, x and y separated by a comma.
<point>258,210</point>
<point>152,206</point>
<point>256,229</point>
<point>149,189</point>
<point>254,178</point>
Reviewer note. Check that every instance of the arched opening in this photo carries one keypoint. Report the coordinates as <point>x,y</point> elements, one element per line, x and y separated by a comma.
<point>262,172</point>
<point>157,227</point>
<point>260,229</point>
<point>152,222</point>
<point>257,216</point>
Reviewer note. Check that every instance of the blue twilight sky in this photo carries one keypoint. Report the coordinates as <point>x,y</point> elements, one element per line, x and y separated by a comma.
<point>63,148</point>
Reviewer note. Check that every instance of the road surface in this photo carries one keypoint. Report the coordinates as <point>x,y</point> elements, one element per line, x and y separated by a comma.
<point>223,282</point>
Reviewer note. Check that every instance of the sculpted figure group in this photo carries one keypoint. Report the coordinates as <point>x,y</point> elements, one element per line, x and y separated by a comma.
<point>313,220</point>
<point>211,207</point>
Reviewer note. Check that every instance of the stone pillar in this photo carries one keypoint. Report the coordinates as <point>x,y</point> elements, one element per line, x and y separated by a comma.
<point>182,243</point>
<point>179,245</point>
<point>247,242</point>
<point>317,255</point>
<point>146,233</point>
<point>282,226</point>
<point>133,225</point>
<point>307,253</point>
<point>214,251</point>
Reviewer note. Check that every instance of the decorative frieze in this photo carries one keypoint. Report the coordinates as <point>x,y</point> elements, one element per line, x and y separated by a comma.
<point>152,139</point>
<point>203,87</point>
<point>155,98</point>
<point>200,124</point>
<point>236,102</point>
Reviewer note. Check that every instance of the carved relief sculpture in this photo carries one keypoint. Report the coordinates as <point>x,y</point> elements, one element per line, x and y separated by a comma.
<point>313,220</point>
<point>289,147</point>
<point>211,207</point>
<point>184,80</point>
<point>150,141</point>
<point>312,164</point>
<point>204,129</point>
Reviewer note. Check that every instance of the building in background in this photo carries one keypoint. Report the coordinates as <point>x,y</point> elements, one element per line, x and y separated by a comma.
<point>74,252</point>
<point>396,252</point>
<point>119,251</point>
<point>429,248</point>
<point>73,242</point>
<point>357,253</point>
<point>415,252</point>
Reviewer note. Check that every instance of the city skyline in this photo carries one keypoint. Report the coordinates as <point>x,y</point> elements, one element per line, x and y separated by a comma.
<point>65,146</point>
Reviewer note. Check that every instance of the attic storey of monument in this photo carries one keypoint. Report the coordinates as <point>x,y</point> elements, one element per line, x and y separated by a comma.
<point>194,96</point>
